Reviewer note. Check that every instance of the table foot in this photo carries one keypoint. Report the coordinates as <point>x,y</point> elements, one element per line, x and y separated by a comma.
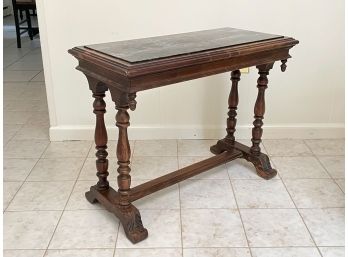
<point>260,161</point>
<point>132,224</point>
<point>129,216</point>
<point>90,198</point>
<point>216,149</point>
<point>262,165</point>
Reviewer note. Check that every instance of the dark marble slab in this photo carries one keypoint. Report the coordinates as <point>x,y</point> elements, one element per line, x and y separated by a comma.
<point>139,50</point>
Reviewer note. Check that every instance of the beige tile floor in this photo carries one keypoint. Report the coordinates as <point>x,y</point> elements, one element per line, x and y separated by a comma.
<point>228,211</point>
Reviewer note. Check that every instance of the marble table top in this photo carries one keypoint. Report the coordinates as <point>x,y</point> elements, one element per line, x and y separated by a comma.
<point>146,49</point>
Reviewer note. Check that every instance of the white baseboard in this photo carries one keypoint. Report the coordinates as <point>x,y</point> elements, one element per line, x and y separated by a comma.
<point>299,131</point>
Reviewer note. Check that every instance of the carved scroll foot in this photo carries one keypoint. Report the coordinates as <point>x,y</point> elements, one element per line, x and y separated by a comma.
<point>90,197</point>
<point>129,215</point>
<point>260,161</point>
<point>132,224</point>
<point>262,165</point>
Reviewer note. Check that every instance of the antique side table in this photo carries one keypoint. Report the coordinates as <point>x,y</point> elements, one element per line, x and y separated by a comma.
<point>127,67</point>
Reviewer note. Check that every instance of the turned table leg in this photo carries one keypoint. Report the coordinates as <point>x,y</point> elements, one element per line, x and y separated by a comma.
<point>252,154</point>
<point>100,138</point>
<point>232,106</point>
<point>259,109</point>
<point>129,214</point>
<point>260,160</point>
<point>232,113</point>
<point>117,202</point>
<point>123,155</point>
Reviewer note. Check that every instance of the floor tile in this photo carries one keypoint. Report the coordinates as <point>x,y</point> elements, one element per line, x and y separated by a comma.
<point>34,91</point>
<point>325,225</point>
<point>28,132</point>
<point>8,59</point>
<point>10,190</point>
<point>11,76</point>
<point>196,194</point>
<point>219,172</point>
<point>242,169</point>
<point>13,90</point>
<point>17,169</point>
<point>149,167</point>
<point>31,44</point>
<point>195,147</point>
<point>286,252</point>
<point>16,117</point>
<point>261,194</point>
<point>67,149</point>
<point>315,193</point>
<point>341,183</point>
<point>41,196</point>
<point>172,252</point>
<point>15,52</point>
<point>85,229</point>
<point>161,224</point>
<point>326,146</point>
<point>299,167</point>
<point>167,198</point>
<point>155,148</point>
<point>10,130</point>
<point>217,252</point>
<point>26,105</point>
<point>36,50</point>
<point>89,170</point>
<point>286,147</point>
<point>112,146</point>
<point>25,148</point>
<point>24,253</point>
<point>212,227</point>
<point>80,253</point>
<point>334,165</point>
<point>275,228</point>
<point>29,230</point>
<point>22,65</point>
<point>58,169</point>
<point>38,119</point>
<point>78,201</point>
<point>332,251</point>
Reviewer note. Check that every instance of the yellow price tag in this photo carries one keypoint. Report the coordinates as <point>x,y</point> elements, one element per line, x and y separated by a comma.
<point>244,70</point>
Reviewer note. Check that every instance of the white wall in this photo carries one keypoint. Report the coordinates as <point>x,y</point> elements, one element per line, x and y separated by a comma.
<point>305,101</point>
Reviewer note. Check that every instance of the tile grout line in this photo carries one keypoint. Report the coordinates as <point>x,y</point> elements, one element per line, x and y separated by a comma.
<point>149,209</point>
<point>27,81</point>
<point>240,215</point>
<point>61,215</point>
<point>191,247</point>
<point>118,232</point>
<point>281,179</point>
<point>31,80</point>
<point>181,227</point>
<point>12,138</point>
<point>25,180</point>
<point>322,165</point>
<point>17,60</point>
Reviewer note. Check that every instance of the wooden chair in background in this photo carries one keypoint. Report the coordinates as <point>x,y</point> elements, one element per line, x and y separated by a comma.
<point>29,8</point>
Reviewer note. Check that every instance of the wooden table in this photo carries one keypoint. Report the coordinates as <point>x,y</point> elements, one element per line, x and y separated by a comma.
<point>127,67</point>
